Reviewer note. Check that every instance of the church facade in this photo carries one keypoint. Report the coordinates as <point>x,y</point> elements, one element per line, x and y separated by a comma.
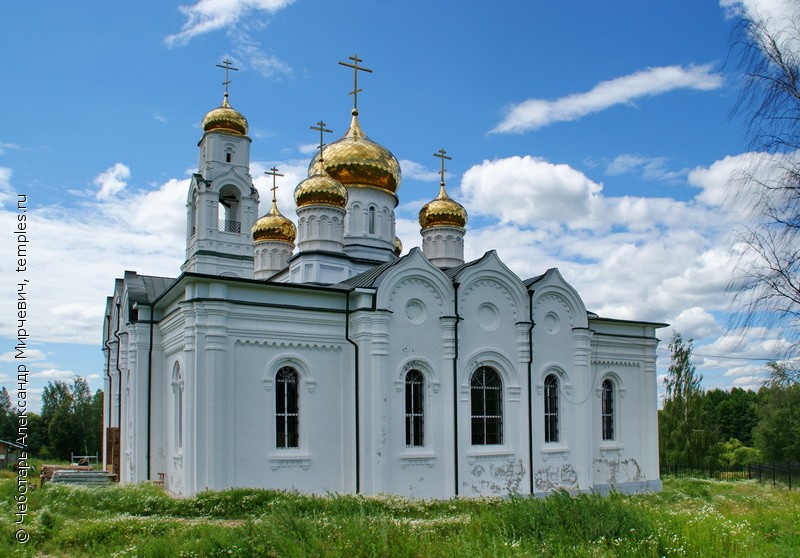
<point>316,357</point>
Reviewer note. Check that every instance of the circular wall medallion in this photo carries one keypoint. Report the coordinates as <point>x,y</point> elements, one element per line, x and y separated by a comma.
<point>416,311</point>
<point>552,323</point>
<point>488,316</point>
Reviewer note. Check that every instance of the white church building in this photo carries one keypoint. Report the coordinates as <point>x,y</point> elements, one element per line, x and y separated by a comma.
<point>317,357</point>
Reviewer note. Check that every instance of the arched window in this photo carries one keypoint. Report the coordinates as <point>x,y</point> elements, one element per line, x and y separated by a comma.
<point>177,394</point>
<point>193,212</point>
<point>487,407</point>
<point>287,411</point>
<point>607,411</point>
<point>415,408</point>
<point>229,209</point>
<point>371,221</point>
<point>551,408</point>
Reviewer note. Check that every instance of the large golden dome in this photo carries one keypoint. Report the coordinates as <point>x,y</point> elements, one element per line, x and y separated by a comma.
<point>442,212</point>
<point>357,161</point>
<point>224,118</point>
<point>275,227</point>
<point>320,189</point>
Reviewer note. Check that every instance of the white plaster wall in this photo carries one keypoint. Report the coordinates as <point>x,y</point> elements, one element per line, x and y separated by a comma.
<point>492,304</point>
<point>417,335</point>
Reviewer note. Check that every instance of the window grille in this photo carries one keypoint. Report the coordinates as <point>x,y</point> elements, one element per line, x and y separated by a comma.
<point>415,409</point>
<point>487,407</point>
<point>607,412</point>
<point>551,409</point>
<point>287,412</point>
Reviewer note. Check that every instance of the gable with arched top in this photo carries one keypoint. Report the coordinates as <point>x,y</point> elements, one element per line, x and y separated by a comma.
<point>414,268</point>
<point>490,270</point>
<point>552,286</point>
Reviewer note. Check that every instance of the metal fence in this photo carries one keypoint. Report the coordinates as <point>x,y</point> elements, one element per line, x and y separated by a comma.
<point>783,473</point>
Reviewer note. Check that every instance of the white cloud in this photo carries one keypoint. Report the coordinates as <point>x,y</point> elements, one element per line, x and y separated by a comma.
<point>696,323</point>
<point>6,146</point>
<point>650,168</point>
<point>205,16</point>
<point>308,148</point>
<point>31,355</point>
<point>96,241</point>
<point>6,191</point>
<point>248,52</point>
<point>416,171</point>
<point>526,190</point>
<point>736,181</point>
<point>111,181</point>
<point>537,113</point>
<point>54,374</point>
<point>160,118</point>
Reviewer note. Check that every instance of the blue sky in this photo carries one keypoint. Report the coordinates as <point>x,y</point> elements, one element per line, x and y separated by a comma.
<point>595,137</point>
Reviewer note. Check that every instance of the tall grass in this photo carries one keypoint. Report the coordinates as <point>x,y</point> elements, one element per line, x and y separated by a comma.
<point>689,518</point>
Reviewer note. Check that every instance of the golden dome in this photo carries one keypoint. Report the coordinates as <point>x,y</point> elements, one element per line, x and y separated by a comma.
<point>320,189</point>
<point>442,212</point>
<point>357,161</point>
<point>225,119</point>
<point>398,246</point>
<point>274,226</point>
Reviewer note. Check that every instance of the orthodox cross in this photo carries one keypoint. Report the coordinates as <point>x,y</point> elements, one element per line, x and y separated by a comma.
<point>356,68</point>
<point>442,154</point>
<point>273,172</point>
<point>322,129</point>
<point>227,65</point>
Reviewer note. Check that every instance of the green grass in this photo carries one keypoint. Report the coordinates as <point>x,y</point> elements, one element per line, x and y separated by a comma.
<point>689,518</point>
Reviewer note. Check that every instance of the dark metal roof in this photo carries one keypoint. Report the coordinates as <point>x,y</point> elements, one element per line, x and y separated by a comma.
<point>454,271</point>
<point>146,288</point>
<point>368,278</point>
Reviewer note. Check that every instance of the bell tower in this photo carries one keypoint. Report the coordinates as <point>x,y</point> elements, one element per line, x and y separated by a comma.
<point>222,204</point>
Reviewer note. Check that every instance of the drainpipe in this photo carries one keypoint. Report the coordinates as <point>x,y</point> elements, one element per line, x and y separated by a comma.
<point>108,370</point>
<point>107,394</point>
<point>530,392</point>
<point>149,389</point>
<point>356,396</point>
<point>119,375</point>
<point>455,390</point>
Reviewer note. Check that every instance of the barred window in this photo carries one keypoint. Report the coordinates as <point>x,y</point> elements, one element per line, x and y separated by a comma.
<point>487,407</point>
<point>415,408</point>
<point>607,411</point>
<point>551,408</point>
<point>287,412</point>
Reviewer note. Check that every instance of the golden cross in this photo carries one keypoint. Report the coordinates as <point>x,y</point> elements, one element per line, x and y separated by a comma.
<point>322,129</point>
<point>442,155</point>
<point>273,172</point>
<point>356,68</point>
<point>227,66</point>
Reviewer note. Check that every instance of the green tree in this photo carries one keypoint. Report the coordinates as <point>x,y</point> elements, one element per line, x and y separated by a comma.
<point>777,435</point>
<point>684,435</point>
<point>734,453</point>
<point>72,418</point>
<point>63,433</point>
<point>732,414</point>
<point>37,436</point>
<point>8,418</point>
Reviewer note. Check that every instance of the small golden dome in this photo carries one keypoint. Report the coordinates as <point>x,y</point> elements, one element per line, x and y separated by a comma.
<point>357,161</point>
<point>225,119</point>
<point>275,227</point>
<point>320,189</point>
<point>442,212</point>
<point>398,246</point>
